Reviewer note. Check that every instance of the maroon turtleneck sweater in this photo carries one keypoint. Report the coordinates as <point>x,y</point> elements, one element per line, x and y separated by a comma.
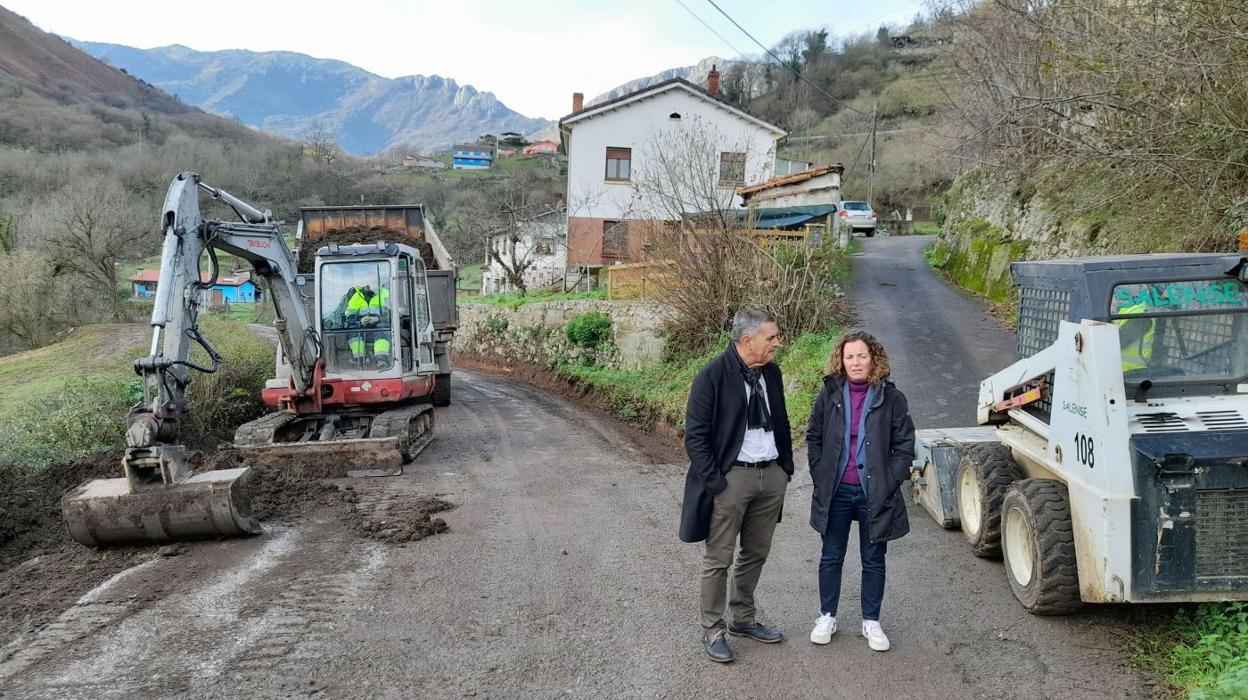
<point>857,399</point>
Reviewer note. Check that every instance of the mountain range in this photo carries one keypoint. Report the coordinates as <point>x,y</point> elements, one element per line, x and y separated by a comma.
<point>298,96</point>
<point>695,74</point>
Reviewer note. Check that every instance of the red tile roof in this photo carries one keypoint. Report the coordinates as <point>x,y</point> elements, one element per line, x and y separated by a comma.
<point>792,179</point>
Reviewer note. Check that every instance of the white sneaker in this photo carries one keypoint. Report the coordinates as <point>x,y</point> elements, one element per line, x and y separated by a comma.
<point>825,627</point>
<point>875,635</point>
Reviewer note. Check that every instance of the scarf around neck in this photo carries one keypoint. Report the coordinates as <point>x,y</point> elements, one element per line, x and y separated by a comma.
<point>756,413</point>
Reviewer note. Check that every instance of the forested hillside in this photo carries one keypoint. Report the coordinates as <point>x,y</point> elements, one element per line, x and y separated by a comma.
<point>87,153</point>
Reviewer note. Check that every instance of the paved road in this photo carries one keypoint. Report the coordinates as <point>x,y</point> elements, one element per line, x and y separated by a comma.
<point>561,574</point>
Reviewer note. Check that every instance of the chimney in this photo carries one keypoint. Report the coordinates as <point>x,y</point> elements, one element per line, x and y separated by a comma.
<point>712,82</point>
<point>578,102</point>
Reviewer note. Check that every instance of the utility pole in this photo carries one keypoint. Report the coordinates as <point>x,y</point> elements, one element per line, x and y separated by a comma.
<point>871,163</point>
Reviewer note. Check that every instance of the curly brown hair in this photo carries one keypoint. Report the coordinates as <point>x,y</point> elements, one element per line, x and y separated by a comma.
<point>879,358</point>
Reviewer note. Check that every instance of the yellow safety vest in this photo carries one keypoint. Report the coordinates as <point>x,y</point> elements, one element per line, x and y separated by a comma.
<point>357,303</point>
<point>1137,354</point>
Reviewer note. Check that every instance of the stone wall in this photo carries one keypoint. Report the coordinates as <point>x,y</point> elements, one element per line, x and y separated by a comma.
<point>535,333</point>
<point>990,223</point>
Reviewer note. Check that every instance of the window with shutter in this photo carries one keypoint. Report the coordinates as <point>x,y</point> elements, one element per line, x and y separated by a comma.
<point>614,240</point>
<point>731,169</point>
<point>619,163</point>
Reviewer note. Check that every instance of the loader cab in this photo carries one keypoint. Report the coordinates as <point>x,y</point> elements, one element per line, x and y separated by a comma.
<point>1182,335</point>
<point>373,311</point>
<point>1182,318</point>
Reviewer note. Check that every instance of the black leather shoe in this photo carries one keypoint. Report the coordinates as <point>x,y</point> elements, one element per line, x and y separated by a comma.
<point>756,631</point>
<point>716,646</point>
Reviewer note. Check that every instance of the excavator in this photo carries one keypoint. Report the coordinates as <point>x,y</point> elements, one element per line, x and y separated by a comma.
<point>356,374</point>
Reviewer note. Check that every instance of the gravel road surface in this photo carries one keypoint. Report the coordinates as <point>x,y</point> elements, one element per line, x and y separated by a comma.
<point>561,574</point>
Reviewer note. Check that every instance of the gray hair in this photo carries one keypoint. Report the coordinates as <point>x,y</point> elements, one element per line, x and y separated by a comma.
<point>748,320</point>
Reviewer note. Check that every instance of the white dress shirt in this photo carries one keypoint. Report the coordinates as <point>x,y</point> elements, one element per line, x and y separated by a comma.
<point>759,445</point>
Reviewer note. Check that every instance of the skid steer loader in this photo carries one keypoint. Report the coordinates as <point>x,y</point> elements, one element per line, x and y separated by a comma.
<point>356,375</point>
<point>1111,461</point>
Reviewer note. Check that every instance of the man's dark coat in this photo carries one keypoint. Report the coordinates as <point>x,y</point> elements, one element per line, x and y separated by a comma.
<point>714,431</point>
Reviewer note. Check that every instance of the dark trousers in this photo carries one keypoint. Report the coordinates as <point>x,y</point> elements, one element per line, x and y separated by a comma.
<point>746,512</point>
<point>849,505</point>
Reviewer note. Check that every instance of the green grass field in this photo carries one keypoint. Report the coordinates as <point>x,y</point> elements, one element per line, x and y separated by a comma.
<point>470,278</point>
<point>105,351</point>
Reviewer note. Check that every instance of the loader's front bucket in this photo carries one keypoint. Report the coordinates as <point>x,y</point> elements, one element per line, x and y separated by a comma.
<point>208,505</point>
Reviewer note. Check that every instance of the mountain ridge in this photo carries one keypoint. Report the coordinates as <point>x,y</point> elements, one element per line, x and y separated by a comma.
<point>298,95</point>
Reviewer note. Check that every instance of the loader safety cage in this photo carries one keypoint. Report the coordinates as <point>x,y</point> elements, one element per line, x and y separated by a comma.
<point>1203,307</point>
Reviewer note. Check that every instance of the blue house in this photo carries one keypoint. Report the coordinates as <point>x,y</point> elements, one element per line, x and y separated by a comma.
<point>235,289</point>
<point>472,157</point>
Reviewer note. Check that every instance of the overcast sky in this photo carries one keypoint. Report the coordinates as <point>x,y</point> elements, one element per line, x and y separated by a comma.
<point>532,54</point>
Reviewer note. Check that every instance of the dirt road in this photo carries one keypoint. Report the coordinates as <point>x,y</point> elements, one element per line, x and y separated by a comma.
<point>561,575</point>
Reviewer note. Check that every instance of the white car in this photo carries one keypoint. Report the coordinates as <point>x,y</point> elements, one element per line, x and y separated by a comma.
<point>859,216</point>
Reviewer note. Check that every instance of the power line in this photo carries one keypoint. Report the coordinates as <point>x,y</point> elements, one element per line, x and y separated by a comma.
<point>796,74</point>
<point>711,29</point>
<point>860,150</point>
<point>850,136</point>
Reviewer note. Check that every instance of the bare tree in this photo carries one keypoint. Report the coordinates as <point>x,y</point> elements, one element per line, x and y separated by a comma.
<point>91,227</point>
<point>30,299</point>
<point>514,241</point>
<point>1145,97</point>
<point>712,259</point>
<point>321,146</point>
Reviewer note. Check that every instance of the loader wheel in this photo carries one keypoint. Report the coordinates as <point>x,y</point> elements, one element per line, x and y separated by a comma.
<point>1039,547</point>
<point>984,475</point>
<point>442,390</point>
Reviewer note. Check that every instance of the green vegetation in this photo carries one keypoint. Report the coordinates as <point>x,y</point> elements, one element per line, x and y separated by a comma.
<point>926,228</point>
<point>104,352</point>
<point>470,278</point>
<point>1203,652</point>
<point>659,393</point>
<point>982,266</point>
<point>70,398</point>
<point>589,330</point>
<point>514,300</point>
<point>937,254</point>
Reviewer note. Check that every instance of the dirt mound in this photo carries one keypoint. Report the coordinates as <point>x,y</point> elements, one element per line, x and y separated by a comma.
<point>363,234</point>
<point>30,504</point>
<point>400,521</point>
<point>275,492</point>
<point>42,570</point>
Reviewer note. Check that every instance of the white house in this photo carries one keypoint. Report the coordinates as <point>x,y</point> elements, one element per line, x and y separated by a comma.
<point>537,247</point>
<point>616,148</point>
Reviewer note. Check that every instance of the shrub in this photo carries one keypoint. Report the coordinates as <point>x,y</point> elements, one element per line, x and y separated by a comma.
<point>937,255</point>
<point>589,330</point>
<point>87,415</point>
<point>229,397</point>
<point>496,324</point>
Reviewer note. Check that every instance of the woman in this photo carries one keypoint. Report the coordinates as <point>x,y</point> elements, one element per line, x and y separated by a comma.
<point>860,443</point>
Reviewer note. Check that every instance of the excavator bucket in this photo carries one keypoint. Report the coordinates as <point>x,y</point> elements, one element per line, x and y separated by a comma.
<point>128,510</point>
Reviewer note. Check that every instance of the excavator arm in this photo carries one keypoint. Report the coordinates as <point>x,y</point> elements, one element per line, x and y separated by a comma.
<point>166,369</point>
<point>159,498</point>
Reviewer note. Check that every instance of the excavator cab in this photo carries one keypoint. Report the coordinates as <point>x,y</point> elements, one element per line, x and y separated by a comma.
<point>373,307</point>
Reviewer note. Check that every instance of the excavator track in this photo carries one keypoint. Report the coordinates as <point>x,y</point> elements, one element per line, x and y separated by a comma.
<point>358,444</point>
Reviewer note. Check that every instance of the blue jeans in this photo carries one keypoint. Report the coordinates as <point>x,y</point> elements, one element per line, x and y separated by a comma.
<point>849,505</point>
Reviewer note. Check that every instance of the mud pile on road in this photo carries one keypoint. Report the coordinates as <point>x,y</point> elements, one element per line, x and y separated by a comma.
<point>363,234</point>
<point>42,570</point>
<point>277,492</point>
<point>30,504</point>
<point>398,522</point>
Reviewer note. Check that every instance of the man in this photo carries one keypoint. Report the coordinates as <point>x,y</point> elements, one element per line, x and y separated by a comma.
<point>366,308</point>
<point>740,462</point>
